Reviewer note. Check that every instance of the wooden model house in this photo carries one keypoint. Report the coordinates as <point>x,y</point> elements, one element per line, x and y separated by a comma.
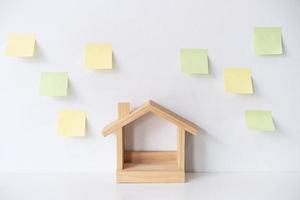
<point>149,166</point>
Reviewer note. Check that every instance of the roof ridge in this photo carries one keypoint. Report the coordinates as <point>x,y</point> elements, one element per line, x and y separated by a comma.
<point>151,106</point>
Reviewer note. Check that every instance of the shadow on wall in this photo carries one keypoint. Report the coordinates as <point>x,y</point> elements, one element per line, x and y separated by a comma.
<point>38,56</point>
<point>151,133</point>
<point>196,151</point>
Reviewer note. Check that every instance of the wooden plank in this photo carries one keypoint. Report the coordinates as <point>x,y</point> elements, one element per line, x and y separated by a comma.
<point>117,124</point>
<point>174,118</point>
<point>150,176</point>
<point>181,148</point>
<point>123,110</point>
<point>150,160</point>
<point>149,156</point>
<point>155,166</point>
<point>151,106</point>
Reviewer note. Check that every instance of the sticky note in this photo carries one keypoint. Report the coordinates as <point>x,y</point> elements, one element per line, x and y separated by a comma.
<point>98,56</point>
<point>20,45</point>
<point>238,80</point>
<point>71,123</point>
<point>194,61</point>
<point>259,120</point>
<point>54,84</point>
<point>267,40</point>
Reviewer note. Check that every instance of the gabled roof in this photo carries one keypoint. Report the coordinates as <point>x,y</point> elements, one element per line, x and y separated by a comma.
<point>155,108</point>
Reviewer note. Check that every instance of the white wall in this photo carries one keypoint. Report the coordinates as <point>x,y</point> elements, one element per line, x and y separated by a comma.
<point>146,38</point>
<point>151,133</point>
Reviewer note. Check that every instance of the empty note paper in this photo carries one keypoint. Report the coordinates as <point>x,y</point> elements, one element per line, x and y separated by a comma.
<point>98,56</point>
<point>259,120</point>
<point>72,123</point>
<point>238,80</point>
<point>194,61</point>
<point>54,84</point>
<point>20,45</point>
<point>267,40</point>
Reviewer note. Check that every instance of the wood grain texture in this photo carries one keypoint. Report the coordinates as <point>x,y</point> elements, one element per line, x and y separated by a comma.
<point>117,124</point>
<point>150,161</point>
<point>149,156</point>
<point>181,148</point>
<point>150,176</point>
<point>173,117</point>
<point>155,166</point>
<point>123,110</point>
<point>155,108</point>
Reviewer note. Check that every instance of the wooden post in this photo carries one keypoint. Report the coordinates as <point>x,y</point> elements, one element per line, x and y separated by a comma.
<point>181,148</point>
<point>123,110</point>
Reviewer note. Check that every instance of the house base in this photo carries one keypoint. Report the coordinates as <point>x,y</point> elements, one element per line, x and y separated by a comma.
<point>150,167</point>
<point>124,176</point>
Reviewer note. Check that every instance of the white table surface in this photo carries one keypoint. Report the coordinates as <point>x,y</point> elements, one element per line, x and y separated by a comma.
<point>200,186</point>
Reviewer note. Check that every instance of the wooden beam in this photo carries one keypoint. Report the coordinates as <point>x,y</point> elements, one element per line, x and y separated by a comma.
<point>155,108</point>
<point>181,148</point>
<point>123,110</point>
<point>150,156</point>
<point>112,127</point>
<point>150,176</point>
<point>173,117</point>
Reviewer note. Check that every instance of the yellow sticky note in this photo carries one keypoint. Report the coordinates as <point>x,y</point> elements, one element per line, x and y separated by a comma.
<point>98,56</point>
<point>238,80</point>
<point>72,123</point>
<point>20,45</point>
<point>267,40</point>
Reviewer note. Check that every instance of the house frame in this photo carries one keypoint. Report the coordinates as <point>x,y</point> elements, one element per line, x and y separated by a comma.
<point>149,166</point>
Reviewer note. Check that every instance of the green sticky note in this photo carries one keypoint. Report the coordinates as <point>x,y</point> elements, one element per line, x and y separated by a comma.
<point>194,61</point>
<point>267,40</point>
<point>260,120</point>
<point>54,84</point>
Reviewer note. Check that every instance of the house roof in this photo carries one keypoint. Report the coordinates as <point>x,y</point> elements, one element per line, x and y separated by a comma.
<point>155,108</point>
